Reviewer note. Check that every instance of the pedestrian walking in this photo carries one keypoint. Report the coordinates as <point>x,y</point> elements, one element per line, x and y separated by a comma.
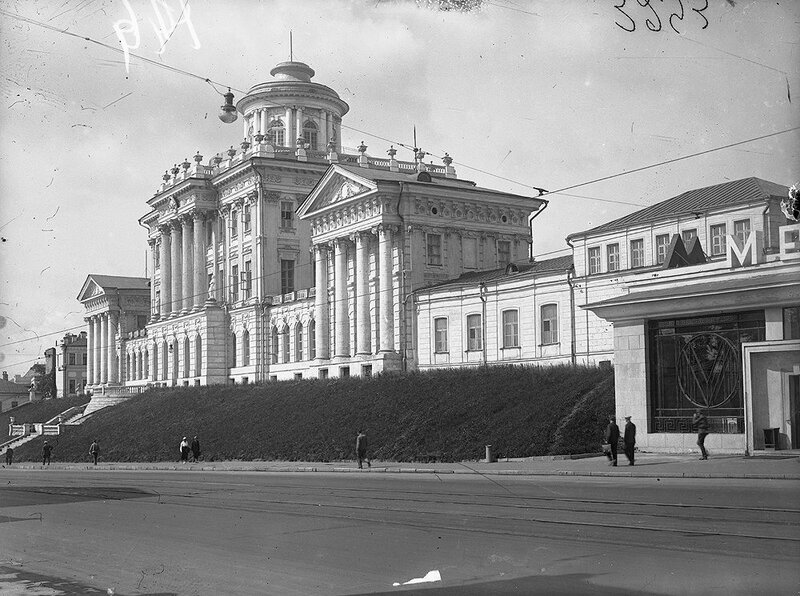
<point>47,450</point>
<point>9,456</point>
<point>629,439</point>
<point>184,450</point>
<point>195,449</point>
<point>94,451</point>
<point>700,423</point>
<point>361,449</point>
<point>612,438</point>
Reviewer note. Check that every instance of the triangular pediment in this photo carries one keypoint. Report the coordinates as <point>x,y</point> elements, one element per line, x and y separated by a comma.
<point>337,186</point>
<point>90,290</point>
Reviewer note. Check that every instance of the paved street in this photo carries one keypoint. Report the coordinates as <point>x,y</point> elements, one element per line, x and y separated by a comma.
<point>85,531</point>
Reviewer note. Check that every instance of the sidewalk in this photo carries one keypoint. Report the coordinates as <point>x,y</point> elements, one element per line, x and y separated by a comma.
<point>647,466</point>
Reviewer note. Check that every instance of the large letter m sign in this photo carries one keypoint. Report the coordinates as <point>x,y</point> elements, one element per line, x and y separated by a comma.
<point>751,253</point>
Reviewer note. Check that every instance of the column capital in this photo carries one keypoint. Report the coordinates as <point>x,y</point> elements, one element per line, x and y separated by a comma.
<point>385,229</point>
<point>201,215</point>
<point>340,243</point>
<point>321,247</point>
<point>251,197</point>
<point>165,228</point>
<point>175,225</point>
<point>360,237</point>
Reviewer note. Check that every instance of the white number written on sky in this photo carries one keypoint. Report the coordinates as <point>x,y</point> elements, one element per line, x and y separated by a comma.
<point>167,20</point>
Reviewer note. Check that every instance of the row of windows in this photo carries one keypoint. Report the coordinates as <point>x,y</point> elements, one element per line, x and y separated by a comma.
<point>72,358</point>
<point>717,242</point>
<point>433,247</point>
<point>510,329</point>
<point>276,134</point>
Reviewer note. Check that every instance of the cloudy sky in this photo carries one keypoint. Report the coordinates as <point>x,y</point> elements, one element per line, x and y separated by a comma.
<point>551,94</point>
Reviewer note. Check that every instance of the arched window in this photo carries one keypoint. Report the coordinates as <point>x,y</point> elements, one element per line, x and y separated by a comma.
<point>312,339</point>
<point>274,346</point>
<point>310,134</point>
<point>155,362</point>
<point>276,133</point>
<point>245,348</point>
<point>285,350</point>
<point>164,361</point>
<point>233,350</point>
<point>146,366</point>
<point>198,355</point>
<point>298,342</point>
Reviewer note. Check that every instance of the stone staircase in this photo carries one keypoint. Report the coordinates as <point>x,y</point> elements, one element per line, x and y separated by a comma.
<point>49,428</point>
<point>98,402</point>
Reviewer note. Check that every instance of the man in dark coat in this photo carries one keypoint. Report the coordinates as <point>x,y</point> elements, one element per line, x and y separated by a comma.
<point>195,449</point>
<point>47,449</point>
<point>361,449</point>
<point>94,451</point>
<point>629,439</point>
<point>700,422</point>
<point>612,438</point>
<point>9,456</point>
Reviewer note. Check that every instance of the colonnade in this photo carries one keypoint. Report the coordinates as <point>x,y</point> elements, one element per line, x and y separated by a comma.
<point>182,266</point>
<point>365,327</point>
<point>293,122</point>
<point>102,365</point>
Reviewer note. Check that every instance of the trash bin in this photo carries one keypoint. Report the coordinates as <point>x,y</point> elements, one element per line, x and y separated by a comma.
<point>772,438</point>
<point>489,455</point>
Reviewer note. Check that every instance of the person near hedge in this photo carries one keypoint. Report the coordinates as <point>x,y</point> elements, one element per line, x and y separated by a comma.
<point>9,456</point>
<point>700,422</point>
<point>629,439</point>
<point>361,449</point>
<point>47,450</point>
<point>94,451</point>
<point>184,447</point>
<point>612,438</point>
<point>195,449</point>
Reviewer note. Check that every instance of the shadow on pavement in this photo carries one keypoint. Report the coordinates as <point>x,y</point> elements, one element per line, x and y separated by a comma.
<point>16,581</point>
<point>570,584</point>
<point>17,496</point>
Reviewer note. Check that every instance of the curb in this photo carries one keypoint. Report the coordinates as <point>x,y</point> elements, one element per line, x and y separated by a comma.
<point>433,471</point>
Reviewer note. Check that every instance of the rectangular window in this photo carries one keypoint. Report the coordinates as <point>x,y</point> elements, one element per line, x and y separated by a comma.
<point>688,235</point>
<point>637,253</point>
<point>503,253</point>
<point>440,335</point>
<point>612,257</point>
<point>235,283</point>
<point>474,333</point>
<point>434,246</point>
<point>366,370</point>
<point>246,215</point>
<point>594,260</point>
<point>470,248</point>
<point>247,280</point>
<point>71,386</point>
<point>662,245</point>
<point>741,230</point>
<point>696,361</point>
<point>209,230</point>
<point>234,223</point>
<point>72,358</point>
<point>287,215</point>
<point>298,376</point>
<point>323,373</point>
<point>84,358</point>
<point>287,276</point>
<point>344,372</point>
<point>791,322</point>
<point>510,329</point>
<point>549,324</point>
<point>157,255</point>
<point>718,243</point>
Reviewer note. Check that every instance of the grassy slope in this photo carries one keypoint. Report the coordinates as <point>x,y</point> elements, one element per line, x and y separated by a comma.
<point>38,411</point>
<point>521,411</point>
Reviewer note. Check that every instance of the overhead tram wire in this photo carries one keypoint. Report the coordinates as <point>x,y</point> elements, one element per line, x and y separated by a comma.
<point>461,164</point>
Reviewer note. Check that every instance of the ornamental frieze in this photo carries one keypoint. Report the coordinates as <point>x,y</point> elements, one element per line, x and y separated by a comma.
<point>244,183</point>
<point>271,179</point>
<point>299,181</point>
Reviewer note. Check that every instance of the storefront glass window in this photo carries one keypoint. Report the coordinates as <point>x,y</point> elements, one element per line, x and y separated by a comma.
<point>696,363</point>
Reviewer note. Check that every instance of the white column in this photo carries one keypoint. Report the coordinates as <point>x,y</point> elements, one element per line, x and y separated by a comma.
<point>89,344</point>
<point>165,306</point>
<point>328,128</point>
<point>113,320</point>
<point>200,269</point>
<point>299,131</point>
<point>363,324</point>
<point>386,289</point>
<point>187,262</point>
<point>245,126</point>
<point>342,320</point>
<point>321,314</point>
<point>97,348</point>
<point>104,348</point>
<point>289,125</point>
<point>263,127</point>
<point>175,259</point>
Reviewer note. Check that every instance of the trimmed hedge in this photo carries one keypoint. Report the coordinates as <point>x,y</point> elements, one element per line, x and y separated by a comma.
<point>450,414</point>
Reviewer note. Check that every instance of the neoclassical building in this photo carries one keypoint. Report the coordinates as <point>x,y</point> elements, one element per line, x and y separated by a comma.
<point>286,258</point>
